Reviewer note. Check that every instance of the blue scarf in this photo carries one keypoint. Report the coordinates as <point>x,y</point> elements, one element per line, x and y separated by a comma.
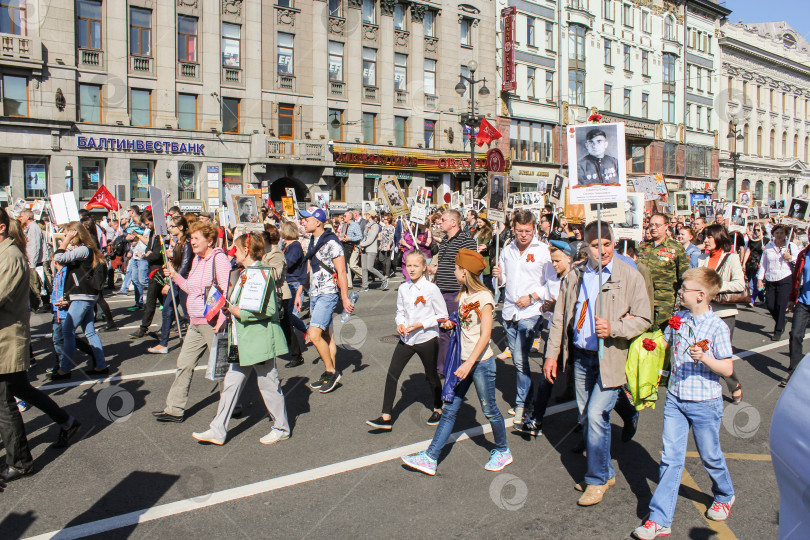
<point>452,362</point>
<point>313,250</point>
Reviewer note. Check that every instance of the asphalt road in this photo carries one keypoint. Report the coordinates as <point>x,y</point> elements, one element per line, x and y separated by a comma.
<point>127,476</point>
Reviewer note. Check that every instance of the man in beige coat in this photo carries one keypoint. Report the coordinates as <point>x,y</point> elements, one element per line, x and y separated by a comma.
<point>580,320</point>
<point>15,336</point>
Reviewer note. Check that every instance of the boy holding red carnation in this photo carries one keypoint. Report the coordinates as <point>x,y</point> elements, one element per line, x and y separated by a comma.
<point>701,353</point>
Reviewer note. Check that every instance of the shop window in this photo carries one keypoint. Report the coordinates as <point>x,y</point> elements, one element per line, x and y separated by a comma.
<point>369,182</point>
<point>187,182</point>
<point>36,178</point>
<point>91,177</point>
<point>141,175</point>
<point>232,172</point>
<point>433,181</point>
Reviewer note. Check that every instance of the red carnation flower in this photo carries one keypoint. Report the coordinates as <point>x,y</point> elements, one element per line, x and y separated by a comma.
<point>675,322</point>
<point>595,118</point>
<point>649,344</point>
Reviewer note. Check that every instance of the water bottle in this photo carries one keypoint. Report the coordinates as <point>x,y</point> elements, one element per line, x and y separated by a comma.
<point>353,297</point>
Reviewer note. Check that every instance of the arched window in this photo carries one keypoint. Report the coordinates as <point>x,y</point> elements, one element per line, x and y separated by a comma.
<point>772,191</point>
<point>745,139</point>
<point>805,190</point>
<point>773,143</point>
<point>759,141</point>
<point>796,145</point>
<point>669,28</point>
<point>746,185</point>
<point>807,149</point>
<point>784,144</point>
<point>758,190</point>
<point>731,190</point>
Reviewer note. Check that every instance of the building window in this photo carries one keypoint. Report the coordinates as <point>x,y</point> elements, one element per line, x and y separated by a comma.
<point>89,30</point>
<point>708,119</point>
<point>669,69</point>
<point>645,105</point>
<point>784,144</point>
<point>638,158</point>
<point>36,178</point>
<point>770,97</point>
<point>688,118</point>
<point>772,191</point>
<point>335,123</point>
<point>807,149</point>
<point>230,115</point>
<point>140,31</point>
<point>369,128</point>
<point>731,190</point>
<point>698,161</point>
<point>549,86</point>
<point>15,96</point>
<point>759,187</point>
<point>549,36</point>
<point>187,182</point>
<point>186,111</point>
<point>627,57</point>
<point>400,131</point>
<point>784,103</point>
<point>669,28</point>
<point>576,87</point>
<point>335,61</point>
<point>231,41</point>
<point>12,17</point>
<point>140,107</point>
<point>607,9</point>
<point>759,141</point>
<point>645,21</point>
<point>576,43</point>
<point>285,53</point>
<point>608,52</point>
<point>465,72</point>
<point>745,139</point>
<point>670,158</point>
<point>429,24</point>
<point>698,116</point>
<point>286,127</point>
<point>668,112</point>
<point>186,38</point>
<point>608,97</point>
<point>626,101</point>
<point>699,79</point>
<point>140,178</point>
<point>335,8</point>
<point>368,12</point>
<point>796,145</point>
<point>369,67</point>
<point>399,16</point>
<point>745,92</point>
<point>645,63</point>
<point>232,173</point>
<point>773,143</point>
<point>284,3</point>
<point>530,76</point>
<point>91,177</point>
<point>430,77</point>
<point>400,72</point>
<point>530,31</point>
<point>90,103</point>
<point>466,31</point>
<point>759,96</point>
<point>430,130</point>
<point>627,15</point>
<point>337,191</point>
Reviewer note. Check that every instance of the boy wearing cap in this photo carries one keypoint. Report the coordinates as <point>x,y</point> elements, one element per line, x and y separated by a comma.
<point>327,287</point>
<point>368,251</point>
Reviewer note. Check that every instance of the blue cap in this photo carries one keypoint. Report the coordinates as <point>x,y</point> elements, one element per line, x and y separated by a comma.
<point>562,245</point>
<point>314,211</point>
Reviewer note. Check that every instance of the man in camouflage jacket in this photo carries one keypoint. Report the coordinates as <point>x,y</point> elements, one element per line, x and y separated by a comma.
<point>667,262</point>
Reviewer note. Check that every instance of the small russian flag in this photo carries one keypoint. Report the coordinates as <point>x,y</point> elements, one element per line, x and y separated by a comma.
<point>214,302</point>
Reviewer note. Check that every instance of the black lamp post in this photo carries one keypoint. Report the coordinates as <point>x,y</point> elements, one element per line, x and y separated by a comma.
<point>471,120</point>
<point>733,136</point>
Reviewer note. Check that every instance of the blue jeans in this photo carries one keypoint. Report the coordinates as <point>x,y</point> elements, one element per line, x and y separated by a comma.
<point>321,309</point>
<point>595,403</point>
<point>483,376</point>
<point>127,278</point>
<point>140,278</point>
<point>704,417</point>
<point>520,336</point>
<point>296,322</point>
<point>81,314</point>
<point>168,313</point>
<point>58,340</point>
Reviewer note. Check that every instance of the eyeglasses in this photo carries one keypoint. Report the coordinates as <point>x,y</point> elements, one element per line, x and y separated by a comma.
<point>657,226</point>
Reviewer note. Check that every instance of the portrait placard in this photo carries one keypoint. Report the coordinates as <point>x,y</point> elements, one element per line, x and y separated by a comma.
<point>596,163</point>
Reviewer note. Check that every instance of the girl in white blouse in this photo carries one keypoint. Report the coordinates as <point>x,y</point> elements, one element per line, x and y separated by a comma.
<point>775,276</point>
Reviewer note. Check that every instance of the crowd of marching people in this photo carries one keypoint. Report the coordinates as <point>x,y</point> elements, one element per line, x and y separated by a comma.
<point>574,294</point>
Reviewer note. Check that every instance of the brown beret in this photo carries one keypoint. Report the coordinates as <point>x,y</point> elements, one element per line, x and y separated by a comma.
<point>471,260</point>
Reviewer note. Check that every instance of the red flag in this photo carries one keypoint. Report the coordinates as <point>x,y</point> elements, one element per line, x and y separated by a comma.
<point>103,199</point>
<point>487,133</point>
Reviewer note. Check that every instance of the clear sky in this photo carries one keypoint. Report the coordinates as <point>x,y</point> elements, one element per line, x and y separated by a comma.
<point>754,11</point>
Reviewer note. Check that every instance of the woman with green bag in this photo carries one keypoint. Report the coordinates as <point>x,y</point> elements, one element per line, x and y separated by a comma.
<point>259,340</point>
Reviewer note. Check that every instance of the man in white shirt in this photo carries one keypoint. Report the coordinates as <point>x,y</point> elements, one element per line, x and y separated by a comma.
<point>525,269</point>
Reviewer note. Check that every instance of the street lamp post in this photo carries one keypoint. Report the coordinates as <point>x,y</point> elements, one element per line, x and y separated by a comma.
<point>733,136</point>
<point>472,119</point>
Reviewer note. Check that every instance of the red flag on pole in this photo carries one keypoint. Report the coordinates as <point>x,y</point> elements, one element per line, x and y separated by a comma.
<point>103,199</point>
<point>487,133</point>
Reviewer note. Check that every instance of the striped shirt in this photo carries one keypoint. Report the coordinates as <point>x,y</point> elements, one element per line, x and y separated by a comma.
<point>446,269</point>
<point>199,278</point>
<point>690,380</point>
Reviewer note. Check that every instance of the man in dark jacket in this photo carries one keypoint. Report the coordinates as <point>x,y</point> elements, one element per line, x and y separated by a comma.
<point>800,305</point>
<point>154,258</point>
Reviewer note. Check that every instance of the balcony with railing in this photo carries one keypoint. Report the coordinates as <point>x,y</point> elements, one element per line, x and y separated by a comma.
<point>231,75</point>
<point>431,102</point>
<point>187,196</point>
<point>370,93</point>
<point>298,150</point>
<point>20,51</point>
<point>286,82</point>
<point>188,70</point>
<point>91,58</point>
<point>140,64</point>
<point>336,88</point>
<point>402,97</point>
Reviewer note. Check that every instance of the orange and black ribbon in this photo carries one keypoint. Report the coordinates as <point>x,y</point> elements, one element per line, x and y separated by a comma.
<point>465,309</point>
<point>420,299</point>
<point>530,257</point>
<point>703,344</point>
<point>582,315</point>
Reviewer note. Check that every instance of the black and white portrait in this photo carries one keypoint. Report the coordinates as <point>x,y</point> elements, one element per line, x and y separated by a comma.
<point>556,188</point>
<point>738,215</point>
<point>798,209</point>
<point>468,198</point>
<point>394,196</point>
<point>763,212</point>
<point>631,228</point>
<point>683,206</point>
<point>596,163</point>
<point>247,208</point>
<point>368,206</point>
<point>496,185</point>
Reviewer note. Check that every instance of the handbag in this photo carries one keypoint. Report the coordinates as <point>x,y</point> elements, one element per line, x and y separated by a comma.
<point>212,315</point>
<point>434,248</point>
<point>219,356</point>
<point>742,297</point>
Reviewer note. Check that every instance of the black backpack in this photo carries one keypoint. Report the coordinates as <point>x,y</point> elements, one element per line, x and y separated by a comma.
<point>119,247</point>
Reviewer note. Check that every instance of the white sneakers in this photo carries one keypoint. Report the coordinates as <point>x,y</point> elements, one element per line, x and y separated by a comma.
<point>274,436</point>
<point>720,511</point>
<point>209,436</point>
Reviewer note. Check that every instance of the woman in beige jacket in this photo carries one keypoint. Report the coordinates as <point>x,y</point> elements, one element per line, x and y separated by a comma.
<point>729,267</point>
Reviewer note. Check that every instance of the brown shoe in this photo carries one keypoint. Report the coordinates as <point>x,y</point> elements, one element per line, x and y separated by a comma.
<point>582,485</point>
<point>593,495</point>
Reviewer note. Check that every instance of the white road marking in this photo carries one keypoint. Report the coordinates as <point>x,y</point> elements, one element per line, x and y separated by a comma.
<point>153,325</point>
<point>114,378</point>
<point>264,486</point>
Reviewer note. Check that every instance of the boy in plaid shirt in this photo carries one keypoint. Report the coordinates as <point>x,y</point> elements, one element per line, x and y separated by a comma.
<point>701,353</point>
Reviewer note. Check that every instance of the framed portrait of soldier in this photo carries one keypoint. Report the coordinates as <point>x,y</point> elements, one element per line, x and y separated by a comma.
<point>596,163</point>
<point>468,198</point>
<point>737,217</point>
<point>247,208</point>
<point>455,199</point>
<point>611,212</point>
<point>495,197</point>
<point>683,205</point>
<point>423,195</point>
<point>796,213</point>
<point>393,195</point>
<point>556,193</point>
<point>744,198</point>
<point>632,226</point>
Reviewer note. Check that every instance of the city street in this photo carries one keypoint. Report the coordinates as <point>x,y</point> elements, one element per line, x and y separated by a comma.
<point>128,476</point>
